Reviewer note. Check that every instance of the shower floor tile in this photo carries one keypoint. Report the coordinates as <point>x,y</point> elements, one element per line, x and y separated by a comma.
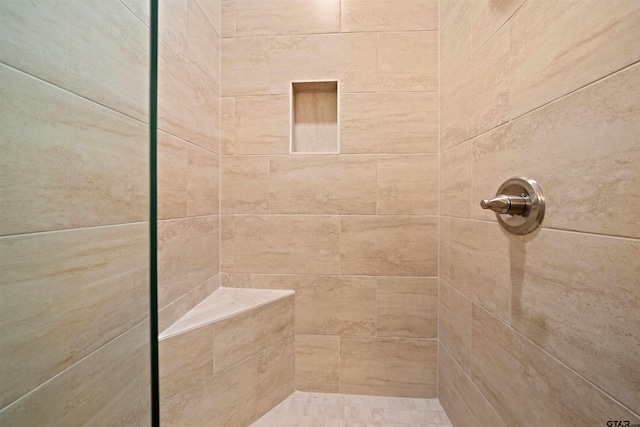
<point>303,409</point>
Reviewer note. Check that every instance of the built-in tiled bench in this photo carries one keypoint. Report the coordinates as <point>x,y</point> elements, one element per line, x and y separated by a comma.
<point>229,360</point>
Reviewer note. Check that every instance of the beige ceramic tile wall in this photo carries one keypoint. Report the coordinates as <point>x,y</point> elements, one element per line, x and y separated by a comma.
<point>523,319</point>
<point>355,233</point>
<point>188,155</point>
<point>74,192</point>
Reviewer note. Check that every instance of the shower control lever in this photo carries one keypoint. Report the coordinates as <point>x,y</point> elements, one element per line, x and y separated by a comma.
<point>519,205</point>
<point>503,204</point>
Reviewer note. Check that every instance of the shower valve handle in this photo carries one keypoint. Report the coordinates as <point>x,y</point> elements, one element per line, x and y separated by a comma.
<point>507,205</point>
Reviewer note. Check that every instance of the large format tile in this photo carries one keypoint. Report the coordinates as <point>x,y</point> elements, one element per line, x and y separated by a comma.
<point>228,18</point>
<point>333,305</point>
<point>287,244</point>
<point>328,184</point>
<point>262,125</point>
<point>503,362</point>
<point>477,98</point>
<point>388,367</point>
<point>67,162</point>
<point>408,61</point>
<point>488,16</point>
<point>351,58</point>
<point>245,184</point>
<point>52,299</point>
<point>187,255</point>
<point>171,312</point>
<point>456,176</point>
<point>173,24</point>
<point>317,363</point>
<point>576,296</point>
<point>246,334</point>
<point>96,32</point>
<point>464,403</point>
<point>603,38</point>
<point>227,244</point>
<point>407,307</point>
<point>407,185</point>
<point>276,374</point>
<point>227,399</point>
<point>389,245</point>
<point>202,182</point>
<point>584,152</point>
<point>187,107</point>
<point>172,176</point>
<point>389,123</point>
<point>454,329</point>
<point>212,10</point>
<point>474,259</point>
<point>389,15</point>
<point>245,66</point>
<point>455,38</point>
<point>273,17</point>
<point>185,360</point>
<point>109,387</point>
<point>203,47</point>
<point>227,125</point>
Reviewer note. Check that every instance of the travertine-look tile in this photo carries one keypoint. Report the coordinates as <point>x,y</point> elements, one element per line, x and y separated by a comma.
<point>187,107</point>
<point>464,403</point>
<point>202,182</point>
<point>389,15</point>
<point>185,360</point>
<point>228,18</point>
<point>67,162</point>
<point>577,297</point>
<point>454,317</point>
<point>173,18</point>
<point>51,298</point>
<point>213,12</point>
<point>227,399</point>
<point>109,387</point>
<point>407,185</point>
<point>227,244</point>
<point>389,123</point>
<point>488,16</point>
<point>317,363</point>
<point>327,184</point>
<point>389,245</point>
<point>474,259</point>
<point>561,145</point>
<point>203,47</point>
<point>332,305</point>
<point>42,28</point>
<point>140,8</point>
<point>170,313</point>
<point>388,367</point>
<point>227,125</point>
<point>408,61</point>
<point>172,176</point>
<point>249,333</point>
<point>407,307</point>
<point>456,173</point>
<point>502,362</point>
<point>262,125</point>
<point>187,255</point>
<point>245,184</point>
<point>245,66</point>
<point>348,57</point>
<point>276,374</point>
<point>603,38</point>
<point>455,38</point>
<point>273,17</point>
<point>477,98</point>
<point>287,244</point>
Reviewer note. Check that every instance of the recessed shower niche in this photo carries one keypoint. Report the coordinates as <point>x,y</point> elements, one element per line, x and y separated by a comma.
<point>315,117</point>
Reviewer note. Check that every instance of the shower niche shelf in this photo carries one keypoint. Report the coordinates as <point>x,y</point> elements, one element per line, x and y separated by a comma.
<point>315,126</point>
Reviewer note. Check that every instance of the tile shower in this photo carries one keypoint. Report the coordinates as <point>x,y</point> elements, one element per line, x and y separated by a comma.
<point>405,290</point>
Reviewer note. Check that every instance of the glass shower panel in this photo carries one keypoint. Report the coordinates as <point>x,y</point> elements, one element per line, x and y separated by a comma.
<point>74,212</point>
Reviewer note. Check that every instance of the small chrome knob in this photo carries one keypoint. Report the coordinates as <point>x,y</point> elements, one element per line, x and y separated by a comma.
<point>506,205</point>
